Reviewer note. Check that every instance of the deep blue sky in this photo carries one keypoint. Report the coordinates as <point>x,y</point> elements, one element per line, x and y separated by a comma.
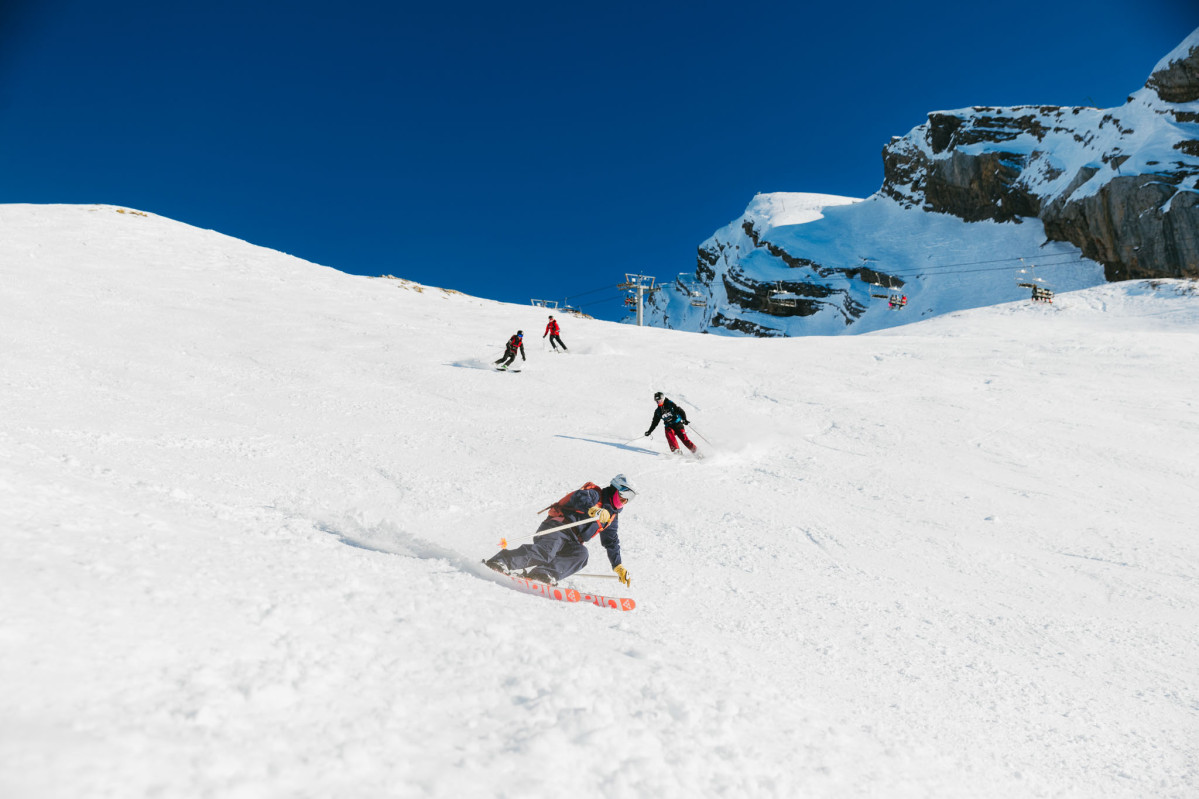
<point>521,149</point>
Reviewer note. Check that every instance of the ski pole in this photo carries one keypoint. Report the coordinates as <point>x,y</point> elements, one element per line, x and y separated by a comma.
<point>597,576</point>
<point>504,541</point>
<point>706,441</point>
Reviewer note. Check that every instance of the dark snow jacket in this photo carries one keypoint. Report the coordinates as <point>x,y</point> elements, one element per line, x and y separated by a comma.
<point>574,507</point>
<point>516,344</point>
<point>670,415</point>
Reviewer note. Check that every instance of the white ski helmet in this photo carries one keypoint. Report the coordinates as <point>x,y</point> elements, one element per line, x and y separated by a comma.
<point>620,484</point>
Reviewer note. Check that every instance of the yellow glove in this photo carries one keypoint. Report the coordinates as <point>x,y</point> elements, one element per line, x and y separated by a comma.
<point>623,574</point>
<point>600,514</point>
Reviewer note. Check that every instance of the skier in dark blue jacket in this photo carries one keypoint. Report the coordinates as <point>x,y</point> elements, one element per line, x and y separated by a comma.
<point>555,556</point>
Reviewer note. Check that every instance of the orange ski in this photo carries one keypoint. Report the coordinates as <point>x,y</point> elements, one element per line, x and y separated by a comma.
<point>562,594</point>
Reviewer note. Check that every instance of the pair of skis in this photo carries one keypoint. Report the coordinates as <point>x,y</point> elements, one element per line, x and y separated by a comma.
<point>560,593</point>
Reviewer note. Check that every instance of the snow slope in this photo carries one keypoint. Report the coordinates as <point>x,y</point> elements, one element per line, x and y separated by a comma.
<point>242,498</point>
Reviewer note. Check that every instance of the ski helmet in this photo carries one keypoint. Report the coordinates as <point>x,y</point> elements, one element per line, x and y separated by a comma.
<point>620,485</point>
<point>520,332</point>
<point>659,396</point>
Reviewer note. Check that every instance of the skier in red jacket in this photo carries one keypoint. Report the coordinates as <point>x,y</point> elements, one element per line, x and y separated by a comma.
<point>552,331</point>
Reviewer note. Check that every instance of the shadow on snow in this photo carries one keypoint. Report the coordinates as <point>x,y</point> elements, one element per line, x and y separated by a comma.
<point>625,447</point>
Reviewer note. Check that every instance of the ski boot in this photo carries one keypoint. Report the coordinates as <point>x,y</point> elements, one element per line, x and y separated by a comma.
<point>539,576</point>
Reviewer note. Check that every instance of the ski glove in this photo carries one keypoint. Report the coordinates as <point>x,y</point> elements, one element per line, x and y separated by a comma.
<point>623,574</point>
<point>600,514</point>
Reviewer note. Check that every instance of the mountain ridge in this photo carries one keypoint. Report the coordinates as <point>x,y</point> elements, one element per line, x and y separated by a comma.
<point>1119,186</point>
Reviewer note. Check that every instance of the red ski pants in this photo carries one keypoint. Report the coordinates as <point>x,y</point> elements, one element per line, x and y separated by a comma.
<point>671,432</point>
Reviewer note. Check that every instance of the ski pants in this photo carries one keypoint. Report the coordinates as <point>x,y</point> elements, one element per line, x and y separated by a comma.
<point>555,337</point>
<point>679,431</point>
<point>558,554</point>
<point>508,357</point>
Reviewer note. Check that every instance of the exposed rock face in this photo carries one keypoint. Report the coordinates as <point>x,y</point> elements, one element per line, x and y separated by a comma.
<point>1136,227</point>
<point>781,298</point>
<point>1178,81</point>
<point>1102,181</point>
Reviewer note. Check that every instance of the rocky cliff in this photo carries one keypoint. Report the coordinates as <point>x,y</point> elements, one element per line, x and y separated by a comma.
<point>976,206</point>
<point>1120,184</point>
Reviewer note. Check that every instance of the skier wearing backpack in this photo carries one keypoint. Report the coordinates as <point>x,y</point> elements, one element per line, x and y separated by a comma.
<point>555,556</point>
<point>515,344</point>
<point>552,330</point>
<point>672,418</point>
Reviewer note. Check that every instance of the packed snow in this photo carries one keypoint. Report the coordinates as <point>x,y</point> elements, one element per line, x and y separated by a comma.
<point>244,500</point>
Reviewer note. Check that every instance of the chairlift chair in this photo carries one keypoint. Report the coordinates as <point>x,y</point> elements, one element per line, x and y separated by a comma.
<point>888,288</point>
<point>782,297</point>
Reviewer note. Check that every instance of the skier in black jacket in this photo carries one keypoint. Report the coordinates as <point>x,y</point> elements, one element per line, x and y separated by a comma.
<point>672,418</point>
<point>515,344</point>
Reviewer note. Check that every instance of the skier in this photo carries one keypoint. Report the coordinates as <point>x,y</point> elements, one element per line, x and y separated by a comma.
<point>557,555</point>
<point>672,418</point>
<point>515,344</point>
<point>552,331</point>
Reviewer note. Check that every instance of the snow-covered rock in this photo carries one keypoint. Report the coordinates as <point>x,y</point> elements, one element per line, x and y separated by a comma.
<point>1079,195</point>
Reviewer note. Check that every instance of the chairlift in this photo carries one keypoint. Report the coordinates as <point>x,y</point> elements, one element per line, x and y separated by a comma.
<point>783,298</point>
<point>877,292</point>
<point>897,301</point>
<point>1028,279</point>
<point>686,286</point>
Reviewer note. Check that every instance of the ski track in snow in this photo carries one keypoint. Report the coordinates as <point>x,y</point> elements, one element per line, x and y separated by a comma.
<point>245,498</point>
